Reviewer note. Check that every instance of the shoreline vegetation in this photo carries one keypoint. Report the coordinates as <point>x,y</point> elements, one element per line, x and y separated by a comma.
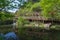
<point>35,19</point>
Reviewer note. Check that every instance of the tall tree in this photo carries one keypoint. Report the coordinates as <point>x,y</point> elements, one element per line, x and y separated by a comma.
<point>6,5</point>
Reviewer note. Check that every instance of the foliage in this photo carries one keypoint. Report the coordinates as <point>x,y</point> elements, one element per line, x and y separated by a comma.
<point>50,8</point>
<point>3,3</point>
<point>21,21</point>
<point>55,27</point>
<point>30,7</point>
<point>5,16</point>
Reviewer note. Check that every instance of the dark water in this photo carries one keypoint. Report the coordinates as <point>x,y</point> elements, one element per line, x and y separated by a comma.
<point>9,36</point>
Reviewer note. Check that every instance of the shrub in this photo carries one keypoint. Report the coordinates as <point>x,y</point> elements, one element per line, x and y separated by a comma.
<point>21,21</point>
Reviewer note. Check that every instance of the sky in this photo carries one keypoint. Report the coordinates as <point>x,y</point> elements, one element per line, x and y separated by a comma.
<point>16,4</point>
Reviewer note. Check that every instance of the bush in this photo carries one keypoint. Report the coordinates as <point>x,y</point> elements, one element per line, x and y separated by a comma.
<point>21,21</point>
<point>55,27</point>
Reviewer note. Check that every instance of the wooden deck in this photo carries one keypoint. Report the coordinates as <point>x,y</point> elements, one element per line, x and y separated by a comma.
<point>39,18</point>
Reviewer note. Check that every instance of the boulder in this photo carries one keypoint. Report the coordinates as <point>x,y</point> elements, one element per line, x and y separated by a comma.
<point>11,36</point>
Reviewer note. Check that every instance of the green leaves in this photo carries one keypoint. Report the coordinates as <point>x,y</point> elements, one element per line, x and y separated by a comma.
<point>3,3</point>
<point>49,7</point>
<point>30,7</point>
<point>5,16</point>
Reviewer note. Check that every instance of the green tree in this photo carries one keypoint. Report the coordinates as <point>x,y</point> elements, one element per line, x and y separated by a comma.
<point>50,8</point>
<point>5,16</point>
<point>5,5</point>
<point>30,7</point>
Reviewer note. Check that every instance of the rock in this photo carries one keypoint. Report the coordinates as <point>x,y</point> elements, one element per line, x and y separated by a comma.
<point>47,26</point>
<point>11,36</point>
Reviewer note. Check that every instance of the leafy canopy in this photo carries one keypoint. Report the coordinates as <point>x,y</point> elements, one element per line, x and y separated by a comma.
<point>10,4</point>
<point>5,5</point>
<point>50,8</point>
<point>5,16</point>
<point>30,7</point>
